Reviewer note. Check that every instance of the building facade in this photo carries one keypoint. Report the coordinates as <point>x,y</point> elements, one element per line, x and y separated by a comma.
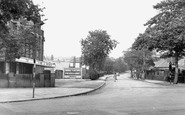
<point>161,70</point>
<point>75,70</point>
<point>24,64</point>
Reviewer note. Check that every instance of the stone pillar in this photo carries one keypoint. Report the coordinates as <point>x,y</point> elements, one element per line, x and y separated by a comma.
<point>52,80</point>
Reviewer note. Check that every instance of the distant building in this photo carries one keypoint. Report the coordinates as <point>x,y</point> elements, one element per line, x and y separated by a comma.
<point>75,62</point>
<point>75,70</point>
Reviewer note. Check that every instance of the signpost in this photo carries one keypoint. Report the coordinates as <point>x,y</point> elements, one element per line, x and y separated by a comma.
<point>72,72</point>
<point>35,62</point>
<point>34,70</point>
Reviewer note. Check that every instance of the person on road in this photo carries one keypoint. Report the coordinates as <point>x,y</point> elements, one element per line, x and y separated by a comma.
<point>170,77</point>
<point>115,77</point>
<point>117,73</point>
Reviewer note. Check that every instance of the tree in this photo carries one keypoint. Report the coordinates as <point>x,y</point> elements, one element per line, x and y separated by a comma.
<point>96,47</point>
<point>15,9</point>
<point>11,10</point>
<point>130,60</point>
<point>109,65</point>
<point>143,41</point>
<point>52,58</point>
<point>114,65</point>
<point>139,60</point>
<point>119,65</point>
<point>20,40</point>
<point>167,30</point>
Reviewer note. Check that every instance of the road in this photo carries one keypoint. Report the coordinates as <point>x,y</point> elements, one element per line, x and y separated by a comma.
<point>123,97</point>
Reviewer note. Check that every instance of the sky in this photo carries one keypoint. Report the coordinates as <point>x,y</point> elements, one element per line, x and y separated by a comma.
<point>69,21</point>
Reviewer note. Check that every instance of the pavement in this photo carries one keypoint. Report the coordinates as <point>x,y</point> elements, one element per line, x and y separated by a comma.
<point>163,83</point>
<point>63,88</point>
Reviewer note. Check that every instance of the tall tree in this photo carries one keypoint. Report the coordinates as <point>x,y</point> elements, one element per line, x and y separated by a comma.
<point>20,40</point>
<point>15,9</point>
<point>130,61</point>
<point>167,30</point>
<point>11,10</point>
<point>120,65</point>
<point>109,65</point>
<point>139,60</point>
<point>96,47</point>
<point>52,57</point>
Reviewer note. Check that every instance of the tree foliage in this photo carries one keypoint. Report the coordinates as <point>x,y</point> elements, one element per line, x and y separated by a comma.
<point>166,31</point>
<point>109,65</point>
<point>168,28</point>
<point>112,65</point>
<point>144,41</point>
<point>139,60</point>
<point>96,47</point>
<point>52,58</point>
<point>119,65</point>
<point>20,40</point>
<point>13,39</point>
<point>130,59</point>
<point>15,9</point>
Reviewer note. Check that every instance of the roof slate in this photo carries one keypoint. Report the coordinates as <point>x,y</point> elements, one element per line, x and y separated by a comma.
<point>164,63</point>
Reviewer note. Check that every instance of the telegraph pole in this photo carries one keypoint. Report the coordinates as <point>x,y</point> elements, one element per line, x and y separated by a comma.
<point>35,26</point>
<point>34,61</point>
<point>34,69</point>
<point>34,56</point>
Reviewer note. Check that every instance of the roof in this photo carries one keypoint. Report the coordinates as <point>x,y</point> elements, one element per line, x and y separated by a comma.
<point>61,65</point>
<point>164,63</point>
<point>75,59</point>
<point>38,62</point>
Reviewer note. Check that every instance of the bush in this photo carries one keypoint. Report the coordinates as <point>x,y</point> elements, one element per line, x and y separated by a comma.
<point>101,73</point>
<point>94,75</point>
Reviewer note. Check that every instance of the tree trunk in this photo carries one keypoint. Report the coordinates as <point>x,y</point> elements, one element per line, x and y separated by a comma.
<point>144,63</point>
<point>137,74</point>
<point>143,75</point>
<point>92,67</point>
<point>176,71</point>
<point>131,73</point>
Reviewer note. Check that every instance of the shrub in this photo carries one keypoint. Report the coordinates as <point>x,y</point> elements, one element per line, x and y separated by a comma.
<point>94,75</point>
<point>101,73</point>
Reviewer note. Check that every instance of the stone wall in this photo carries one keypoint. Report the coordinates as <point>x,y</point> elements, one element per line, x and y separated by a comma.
<point>4,81</point>
<point>26,80</point>
<point>59,74</point>
<point>157,74</point>
<point>163,75</point>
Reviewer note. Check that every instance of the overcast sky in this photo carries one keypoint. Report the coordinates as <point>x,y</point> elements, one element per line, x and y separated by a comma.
<point>70,20</point>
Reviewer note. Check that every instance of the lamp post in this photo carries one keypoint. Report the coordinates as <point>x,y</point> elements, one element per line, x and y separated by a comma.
<point>34,61</point>
<point>34,53</point>
<point>34,69</point>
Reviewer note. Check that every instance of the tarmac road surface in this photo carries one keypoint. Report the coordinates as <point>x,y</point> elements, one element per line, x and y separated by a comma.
<point>123,97</point>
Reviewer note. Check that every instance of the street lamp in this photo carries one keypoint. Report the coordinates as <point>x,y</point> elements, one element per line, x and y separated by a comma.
<point>34,54</point>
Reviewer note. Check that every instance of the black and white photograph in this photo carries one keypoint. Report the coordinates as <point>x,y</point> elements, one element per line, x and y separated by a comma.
<point>92,57</point>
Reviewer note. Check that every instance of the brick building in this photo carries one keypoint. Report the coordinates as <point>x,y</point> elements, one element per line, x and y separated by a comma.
<point>161,70</point>
<point>24,64</point>
<point>20,68</point>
